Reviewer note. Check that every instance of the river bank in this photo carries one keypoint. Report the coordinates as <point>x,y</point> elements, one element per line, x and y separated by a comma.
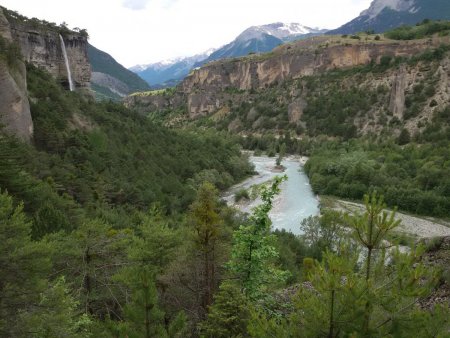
<point>296,200</point>
<point>412,225</point>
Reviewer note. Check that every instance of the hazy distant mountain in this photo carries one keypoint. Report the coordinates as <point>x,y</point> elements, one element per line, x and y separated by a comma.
<point>168,71</point>
<point>260,39</point>
<point>256,39</point>
<point>383,15</point>
<point>110,79</point>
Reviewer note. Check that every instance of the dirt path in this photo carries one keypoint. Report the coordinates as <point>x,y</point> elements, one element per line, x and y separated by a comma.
<point>420,227</point>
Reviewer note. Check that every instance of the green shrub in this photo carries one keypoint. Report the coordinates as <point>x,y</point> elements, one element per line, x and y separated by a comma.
<point>241,194</point>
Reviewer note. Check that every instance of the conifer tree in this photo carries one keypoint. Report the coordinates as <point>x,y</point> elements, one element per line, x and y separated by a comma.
<point>373,293</point>
<point>150,252</point>
<point>207,227</point>
<point>56,315</point>
<point>24,265</point>
<point>229,315</point>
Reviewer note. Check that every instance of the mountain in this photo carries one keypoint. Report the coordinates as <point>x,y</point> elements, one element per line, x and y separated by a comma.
<point>256,39</point>
<point>169,72</point>
<point>387,14</point>
<point>110,79</point>
<point>260,39</point>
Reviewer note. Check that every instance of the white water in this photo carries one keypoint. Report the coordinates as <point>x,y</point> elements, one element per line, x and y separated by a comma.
<point>66,60</point>
<point>296,200</point>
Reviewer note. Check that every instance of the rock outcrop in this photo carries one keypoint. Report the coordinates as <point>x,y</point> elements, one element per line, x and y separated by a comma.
<point>14,106</point>
<point>294,61</point>
<point>207,89</point>
<point>42,48</point>
<point>38,44</point>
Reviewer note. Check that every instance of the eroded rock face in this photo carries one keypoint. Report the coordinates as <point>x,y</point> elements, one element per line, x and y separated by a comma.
<point>43,49</point>
<point>397,100</point>
<point>207,89</point>
<point>40,46</point>
<point>14,106</point>
<point>304,58</point>
<point>15,109</point>
<point>295,110</point>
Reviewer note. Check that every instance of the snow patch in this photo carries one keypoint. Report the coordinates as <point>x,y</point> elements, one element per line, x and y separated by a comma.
<point>397,5</point>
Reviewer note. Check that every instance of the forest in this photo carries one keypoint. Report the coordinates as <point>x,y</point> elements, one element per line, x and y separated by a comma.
<point>112,225</point>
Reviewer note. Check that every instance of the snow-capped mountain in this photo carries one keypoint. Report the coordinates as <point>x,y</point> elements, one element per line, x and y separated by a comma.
<point>255,39</point>
<point>376,7</point>
<point>383,15</point>
<point>264,38</point>
<point>173,70</point>
<point>279,30</point>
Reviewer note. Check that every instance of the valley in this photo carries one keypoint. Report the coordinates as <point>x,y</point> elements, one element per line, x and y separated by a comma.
<point>294,182</point>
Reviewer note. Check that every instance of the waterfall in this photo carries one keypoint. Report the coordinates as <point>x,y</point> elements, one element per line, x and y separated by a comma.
<point>66,60</point>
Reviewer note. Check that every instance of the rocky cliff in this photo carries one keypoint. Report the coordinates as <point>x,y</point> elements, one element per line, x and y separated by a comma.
<point>15,109</point>
<point>206,90</point>
<point>39,43</point>
<point>41,46</point>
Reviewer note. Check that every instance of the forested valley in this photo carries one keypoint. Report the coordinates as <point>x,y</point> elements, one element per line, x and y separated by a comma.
<point>112,222</point>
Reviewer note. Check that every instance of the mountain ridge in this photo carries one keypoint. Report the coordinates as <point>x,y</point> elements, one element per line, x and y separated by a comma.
<point>383,15</point>
<point>255,39</point>
<point>111,80</point>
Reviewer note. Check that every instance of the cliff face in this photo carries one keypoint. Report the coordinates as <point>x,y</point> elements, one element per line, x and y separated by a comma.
<point>41,46</point>
<point>208,89</point>
<point>15,109</point>
<point>287,62</point>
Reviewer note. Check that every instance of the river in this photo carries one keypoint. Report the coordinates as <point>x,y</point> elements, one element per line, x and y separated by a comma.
<point>296,200</point>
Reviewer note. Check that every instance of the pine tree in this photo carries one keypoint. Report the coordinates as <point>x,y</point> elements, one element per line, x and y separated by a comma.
<point>150,252</point>
<point>24,265</point>
<point>207,227</point>
<point>229,315</point>
<point>91,257</point>
<point>373,293</point>
<point>56,315</point>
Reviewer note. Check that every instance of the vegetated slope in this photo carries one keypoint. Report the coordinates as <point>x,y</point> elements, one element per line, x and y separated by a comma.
<point>392,101</point>
<point>102,159</point>
<point>110,79</point>
<point>337,86</point>
<point>383,15</point>
<point>412,177</point>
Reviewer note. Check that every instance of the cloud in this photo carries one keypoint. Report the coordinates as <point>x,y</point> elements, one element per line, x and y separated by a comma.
<point>136,5</point>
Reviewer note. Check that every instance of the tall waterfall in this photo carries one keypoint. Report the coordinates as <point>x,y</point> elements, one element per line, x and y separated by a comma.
<point>66,60</point>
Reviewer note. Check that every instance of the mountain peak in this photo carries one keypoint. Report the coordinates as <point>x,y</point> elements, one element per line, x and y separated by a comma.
<point>255,39</point>
<point>279,30</point>
<point>397,5</point>
<point>383,15</point>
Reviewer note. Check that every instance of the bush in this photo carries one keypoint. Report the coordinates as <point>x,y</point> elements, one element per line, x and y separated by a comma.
<point>243,193</point>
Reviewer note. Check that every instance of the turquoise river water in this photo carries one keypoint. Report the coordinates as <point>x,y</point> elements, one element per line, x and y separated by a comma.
<point>296,200</point>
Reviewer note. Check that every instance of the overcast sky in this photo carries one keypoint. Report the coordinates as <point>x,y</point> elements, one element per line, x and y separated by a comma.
<point>144,31</point>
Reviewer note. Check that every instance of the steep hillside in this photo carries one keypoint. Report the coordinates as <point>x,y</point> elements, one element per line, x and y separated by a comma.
<point>368,81</point>
<point>110,79</point>
<point>383,15</point>
<point>101,158</point>
<point>60,51</point>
